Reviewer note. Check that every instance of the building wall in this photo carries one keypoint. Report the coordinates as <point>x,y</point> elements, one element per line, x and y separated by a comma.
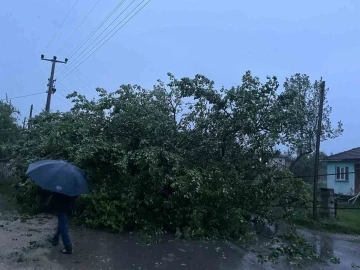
<point>323,174</point>
<point>279,161</point>
<point>341,187</point>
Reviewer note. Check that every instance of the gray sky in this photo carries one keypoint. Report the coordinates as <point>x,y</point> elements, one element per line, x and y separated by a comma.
<point>219,39</point>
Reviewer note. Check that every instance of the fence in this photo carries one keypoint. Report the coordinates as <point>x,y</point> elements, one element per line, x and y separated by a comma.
<point>327,206</point>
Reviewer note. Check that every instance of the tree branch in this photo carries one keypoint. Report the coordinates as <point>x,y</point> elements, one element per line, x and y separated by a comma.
<point>293,163</point>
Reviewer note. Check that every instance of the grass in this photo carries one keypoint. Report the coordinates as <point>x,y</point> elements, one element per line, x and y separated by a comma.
<point>347,222</point>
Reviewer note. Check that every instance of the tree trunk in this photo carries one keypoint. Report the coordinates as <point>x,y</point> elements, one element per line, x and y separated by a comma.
<point>293,163</point>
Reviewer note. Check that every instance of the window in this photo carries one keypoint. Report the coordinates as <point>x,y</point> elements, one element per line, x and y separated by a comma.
<point>342,173</point>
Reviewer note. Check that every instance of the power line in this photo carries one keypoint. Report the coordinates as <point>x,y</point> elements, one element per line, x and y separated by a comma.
<point>62,93</point>
<point>109,37</point>
<point>86,83</point>
<point>62,46</point>
<point>78,82</point>
<point>97,28</point>
<point>85,76</point>
<point>116,30</point>
<point>34,94</point>
<point>75,60</point>
<point>65,88</point>
<point>51,40</point>
<point>62,100</point>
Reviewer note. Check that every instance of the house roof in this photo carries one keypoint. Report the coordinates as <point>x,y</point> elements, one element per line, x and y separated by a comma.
<point>346,155</point>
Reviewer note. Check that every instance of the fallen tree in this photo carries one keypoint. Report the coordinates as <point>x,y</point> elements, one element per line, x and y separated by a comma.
<point>181,157</point>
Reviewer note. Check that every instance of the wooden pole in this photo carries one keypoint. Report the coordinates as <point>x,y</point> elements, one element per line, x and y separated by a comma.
<point>317,151</point>
<point>30,115</point>
<point>51,79</point>
<point>24,122</point>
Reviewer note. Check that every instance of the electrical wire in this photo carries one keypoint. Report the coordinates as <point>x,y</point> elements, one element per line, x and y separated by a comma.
<point>62,46</point>
<point>84,51</point>
<point>62,100</point>
<point>87,78</point>
<point>65,88</point>
<point>96,29</point>
<point>78,82</point>
<point>62,93</point>
<point>87,55</point>
<point>34,94</point>
<point>108,38</point>
<point>80,79</point>
<point>51,40</point>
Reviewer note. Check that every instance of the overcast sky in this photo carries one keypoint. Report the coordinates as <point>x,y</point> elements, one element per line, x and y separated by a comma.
<point>219,39</point>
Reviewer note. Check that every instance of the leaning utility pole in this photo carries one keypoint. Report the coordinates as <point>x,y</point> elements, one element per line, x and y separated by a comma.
<point>31,111</point>
<point>51,79</point>
<point>30,115</point>
<point>24,122</point>
<point>317,151</point>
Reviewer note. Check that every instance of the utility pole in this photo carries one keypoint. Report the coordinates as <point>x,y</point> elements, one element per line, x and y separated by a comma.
<point>51,79</point>
<point>317,151</point>
<point>7,101</point>
<point>30,116</point>
<point>31,111</point>
<point>24,122</point>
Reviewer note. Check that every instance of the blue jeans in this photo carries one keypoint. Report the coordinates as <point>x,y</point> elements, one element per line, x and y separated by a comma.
<point>63,231</point>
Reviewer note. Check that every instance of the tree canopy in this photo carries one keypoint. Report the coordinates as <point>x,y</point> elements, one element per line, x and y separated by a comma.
<point>9,129</point>
<point>182,156</point>
<point>302,116</point>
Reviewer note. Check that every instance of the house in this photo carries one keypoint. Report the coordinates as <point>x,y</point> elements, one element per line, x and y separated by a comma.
<point>281,161</point>
<point>343,172</point>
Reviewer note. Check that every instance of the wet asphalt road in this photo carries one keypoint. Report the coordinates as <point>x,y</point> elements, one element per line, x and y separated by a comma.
<point>100,250</point>
<point>23,246</point>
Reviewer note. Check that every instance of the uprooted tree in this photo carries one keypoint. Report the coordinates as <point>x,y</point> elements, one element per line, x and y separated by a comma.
<point>182,157</point>
<point>301,124</point>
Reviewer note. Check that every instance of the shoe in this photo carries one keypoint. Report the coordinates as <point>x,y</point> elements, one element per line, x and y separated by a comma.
<point>66,251</point>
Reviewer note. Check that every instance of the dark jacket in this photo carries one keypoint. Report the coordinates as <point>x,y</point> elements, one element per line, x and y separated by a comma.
<point>60,203</point>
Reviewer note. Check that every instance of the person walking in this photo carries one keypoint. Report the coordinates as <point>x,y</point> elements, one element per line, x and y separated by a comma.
<point>62,205</point>
<point>66,182</point>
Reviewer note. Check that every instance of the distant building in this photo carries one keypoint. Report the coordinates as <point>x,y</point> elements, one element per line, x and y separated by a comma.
<point>281,161</point>
<point>343,172</point>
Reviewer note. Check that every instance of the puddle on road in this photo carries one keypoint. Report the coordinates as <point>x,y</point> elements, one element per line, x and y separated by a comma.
<point>340,251</point>
<point>100,250</point>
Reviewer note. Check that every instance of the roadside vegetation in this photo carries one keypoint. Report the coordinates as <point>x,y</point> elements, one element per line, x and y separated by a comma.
<point>346,222</point>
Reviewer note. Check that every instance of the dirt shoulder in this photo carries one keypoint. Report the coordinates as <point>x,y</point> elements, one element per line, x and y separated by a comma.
<point>23,240</point>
